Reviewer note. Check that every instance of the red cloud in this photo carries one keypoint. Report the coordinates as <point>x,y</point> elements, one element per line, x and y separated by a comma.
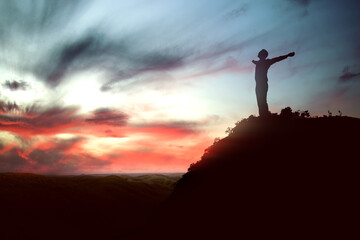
<point>37,121</point>
<point>158,146</point>
<point>66,156</point>
<point>27,123</point>
<point>69,157</point>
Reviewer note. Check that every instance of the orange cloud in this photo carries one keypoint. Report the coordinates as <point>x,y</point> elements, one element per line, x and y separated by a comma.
<point>150,147</point>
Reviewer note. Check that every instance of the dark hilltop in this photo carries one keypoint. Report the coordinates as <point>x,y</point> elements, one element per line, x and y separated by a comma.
<point>284,176</point>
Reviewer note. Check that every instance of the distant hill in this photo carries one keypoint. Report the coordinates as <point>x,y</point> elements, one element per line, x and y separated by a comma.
<point>282,177</point>
<point>78,207</point>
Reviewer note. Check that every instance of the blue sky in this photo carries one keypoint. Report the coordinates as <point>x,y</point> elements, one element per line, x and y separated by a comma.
<point>174,65</point>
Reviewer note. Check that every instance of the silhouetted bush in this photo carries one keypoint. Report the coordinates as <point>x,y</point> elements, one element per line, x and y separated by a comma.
<point>305,114</point>
<point>286,112</point>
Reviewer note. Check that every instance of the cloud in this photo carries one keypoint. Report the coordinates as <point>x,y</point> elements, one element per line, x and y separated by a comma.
<point>11,161</point>
<point>230,65</point>
<point>54,156</point>
<point>103,122</point>
<point>55,151</point>
<point>156,150</point>
<point>171,130</point>
<point>41,16</point>
<point>303,3</point>
<point>54,117</point>
<point>45,157</point>
<point>161,64</point>
<point>108,116</point>
<point>6,107</point>
<point>25,31</point>
<point>143,63</point>
<point>68,145</point>
<point>119,59</point>
<point>36,120</point>
<point>347,75</point>
<point>177,128</point>
<point>237,12</point>
<point>55,55</point>
<point>67,56</point>
<point>15,85</point>
<point>43,144</point>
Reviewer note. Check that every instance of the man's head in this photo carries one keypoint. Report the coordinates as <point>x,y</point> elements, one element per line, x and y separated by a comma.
<point>263,54</point>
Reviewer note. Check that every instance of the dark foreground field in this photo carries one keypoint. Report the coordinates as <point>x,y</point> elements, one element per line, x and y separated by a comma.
<point>78,207</point>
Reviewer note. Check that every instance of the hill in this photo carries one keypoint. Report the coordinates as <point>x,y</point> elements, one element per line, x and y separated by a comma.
<point>285,176</point>
<point>78,207</point>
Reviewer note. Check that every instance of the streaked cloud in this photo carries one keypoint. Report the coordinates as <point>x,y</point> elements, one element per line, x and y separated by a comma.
<point>108,117</point>
<point>347,75</point>
<point>304,3</point>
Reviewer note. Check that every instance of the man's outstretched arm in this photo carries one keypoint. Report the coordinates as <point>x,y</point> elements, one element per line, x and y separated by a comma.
<point>278,59</point>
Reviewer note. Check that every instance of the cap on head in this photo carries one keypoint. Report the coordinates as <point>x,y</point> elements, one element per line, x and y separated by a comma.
<point>263,54</point>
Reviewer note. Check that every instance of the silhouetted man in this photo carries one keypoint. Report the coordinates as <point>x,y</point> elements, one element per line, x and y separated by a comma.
<point>261,69</point>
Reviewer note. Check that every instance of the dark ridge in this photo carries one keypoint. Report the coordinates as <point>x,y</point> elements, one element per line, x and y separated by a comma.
<point>284,176</point>
<point>78,207</point>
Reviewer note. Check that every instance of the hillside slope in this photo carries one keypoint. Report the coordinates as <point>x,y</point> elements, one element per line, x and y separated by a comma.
<point>78,207</point>
<point>282,177</point>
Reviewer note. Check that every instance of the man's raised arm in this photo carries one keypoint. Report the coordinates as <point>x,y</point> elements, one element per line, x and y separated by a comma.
<point>278,59</point>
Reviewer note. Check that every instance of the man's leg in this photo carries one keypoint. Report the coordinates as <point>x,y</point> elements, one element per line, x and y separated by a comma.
<point>266,107</point>
<point>261,94</point>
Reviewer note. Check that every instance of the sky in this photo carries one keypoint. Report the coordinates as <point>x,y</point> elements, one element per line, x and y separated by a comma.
<point>105,86</point>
